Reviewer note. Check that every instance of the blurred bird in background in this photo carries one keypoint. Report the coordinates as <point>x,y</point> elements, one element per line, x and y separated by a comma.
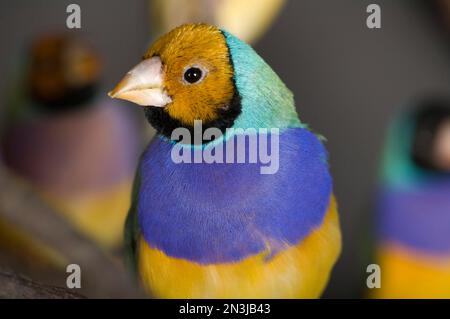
<point>224,230</point>
<point>76,148</point>
<point>248,20</point>
<point>413,208</point>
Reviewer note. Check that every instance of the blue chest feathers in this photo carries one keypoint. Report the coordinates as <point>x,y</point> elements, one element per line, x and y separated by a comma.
<point>224,212</point>
<point>418,217</point>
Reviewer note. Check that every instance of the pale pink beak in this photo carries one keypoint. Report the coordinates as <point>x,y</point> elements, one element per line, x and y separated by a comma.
<point>143,85</point>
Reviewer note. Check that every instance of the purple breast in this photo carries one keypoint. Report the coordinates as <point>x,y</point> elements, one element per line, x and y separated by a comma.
<point>216,213</point>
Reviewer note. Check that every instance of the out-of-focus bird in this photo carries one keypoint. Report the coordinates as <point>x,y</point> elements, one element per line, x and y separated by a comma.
<point>413,208</point>
<point>248,19</point>
<point>200,230</point>
<point>76,148</point>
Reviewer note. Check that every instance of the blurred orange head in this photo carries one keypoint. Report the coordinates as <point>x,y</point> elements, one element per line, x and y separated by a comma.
<point>59,66</point>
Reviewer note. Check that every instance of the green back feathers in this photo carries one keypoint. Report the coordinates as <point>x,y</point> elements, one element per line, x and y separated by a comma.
<point>266,101</point>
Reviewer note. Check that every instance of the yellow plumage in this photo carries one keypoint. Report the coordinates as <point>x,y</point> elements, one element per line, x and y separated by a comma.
<point>408,274</point>
<point>100,216</point>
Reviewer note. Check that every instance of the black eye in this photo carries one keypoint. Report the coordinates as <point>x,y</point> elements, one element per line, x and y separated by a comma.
<point>193,75</point>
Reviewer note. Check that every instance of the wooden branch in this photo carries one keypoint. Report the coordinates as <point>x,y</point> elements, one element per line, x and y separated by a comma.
<point>102,276</point>
<point>18,287</point>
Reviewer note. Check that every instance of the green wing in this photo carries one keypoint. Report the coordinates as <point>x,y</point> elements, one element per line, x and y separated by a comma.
<point>131,234</point>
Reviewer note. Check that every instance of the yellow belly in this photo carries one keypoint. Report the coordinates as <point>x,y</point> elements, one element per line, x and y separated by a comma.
<point>300,271</point>
<point>408,274</point>
<point>100,215</point>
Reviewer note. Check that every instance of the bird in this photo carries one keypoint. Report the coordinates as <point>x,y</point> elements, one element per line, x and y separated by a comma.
<point>413,204</point>
<point>248,19</point>
<point>77,149</point>
<point>225,229</point>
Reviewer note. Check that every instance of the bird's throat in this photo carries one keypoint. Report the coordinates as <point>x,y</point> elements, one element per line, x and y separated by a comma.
<point>165,124</point>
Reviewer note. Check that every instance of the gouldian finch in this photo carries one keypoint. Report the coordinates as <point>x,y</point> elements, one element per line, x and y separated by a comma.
<point>413,207</point>
<point>226,228</point>
<point>75,147</point>
<point>247,19</point>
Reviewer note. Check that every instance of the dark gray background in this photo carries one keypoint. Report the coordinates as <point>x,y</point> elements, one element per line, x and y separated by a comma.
<point>348,80</point>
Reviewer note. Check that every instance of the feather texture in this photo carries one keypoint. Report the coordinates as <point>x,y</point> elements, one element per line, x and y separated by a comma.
<point>203,208</point>
<point>299,271</point>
